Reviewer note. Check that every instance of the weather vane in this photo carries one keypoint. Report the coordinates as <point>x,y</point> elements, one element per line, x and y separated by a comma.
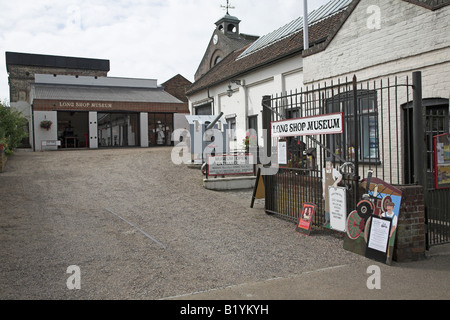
<point>228,6</point>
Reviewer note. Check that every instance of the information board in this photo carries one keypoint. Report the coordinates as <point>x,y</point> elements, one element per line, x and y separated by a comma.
<point>378,238</point>
<point>223,165</point>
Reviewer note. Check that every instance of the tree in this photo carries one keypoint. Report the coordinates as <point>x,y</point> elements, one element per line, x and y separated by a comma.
<point>12,127</point>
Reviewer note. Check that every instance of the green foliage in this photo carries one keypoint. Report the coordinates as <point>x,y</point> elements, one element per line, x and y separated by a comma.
<point>12,128</point>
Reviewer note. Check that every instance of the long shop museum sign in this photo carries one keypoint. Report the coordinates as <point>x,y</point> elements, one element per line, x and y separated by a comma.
<point>81,104</point>
<point>331,123</point>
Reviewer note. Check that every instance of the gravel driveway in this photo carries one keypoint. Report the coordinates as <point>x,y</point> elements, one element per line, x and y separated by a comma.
<point>139,227</point>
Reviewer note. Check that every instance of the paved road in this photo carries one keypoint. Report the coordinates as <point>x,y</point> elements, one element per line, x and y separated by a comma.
<point>140,227</point>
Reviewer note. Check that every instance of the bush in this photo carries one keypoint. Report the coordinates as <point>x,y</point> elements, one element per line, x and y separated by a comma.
<point>12,128</point>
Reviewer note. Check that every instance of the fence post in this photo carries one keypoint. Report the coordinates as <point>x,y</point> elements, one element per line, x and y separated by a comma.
<point>266,119</point>
<point>419,131</point>
<point>355,114</point>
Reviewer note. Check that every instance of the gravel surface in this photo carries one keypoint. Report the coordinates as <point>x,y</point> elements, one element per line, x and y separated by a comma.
<point>139,227</point>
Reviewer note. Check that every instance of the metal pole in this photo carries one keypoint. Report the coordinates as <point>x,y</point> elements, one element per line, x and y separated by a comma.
<point>266,119</point>
<point>305,25</point>
<point>356,128</point>
<point>419,131</point>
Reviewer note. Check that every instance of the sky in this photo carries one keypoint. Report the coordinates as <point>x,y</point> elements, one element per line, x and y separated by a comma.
<point>150,39</point>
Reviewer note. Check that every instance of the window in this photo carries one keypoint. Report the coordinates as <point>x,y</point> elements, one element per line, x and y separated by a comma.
<point>367,135</point>
<point>203,110</point>
<point>217,60</point>
<point>232,128</point>
<point>253,126</point>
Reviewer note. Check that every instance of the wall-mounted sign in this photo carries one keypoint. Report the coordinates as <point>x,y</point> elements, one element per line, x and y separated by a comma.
<point>81,104</point>
<point>306,217</point>
<point>315,125</point>
<point>223,165</point>
<point>282,153</point>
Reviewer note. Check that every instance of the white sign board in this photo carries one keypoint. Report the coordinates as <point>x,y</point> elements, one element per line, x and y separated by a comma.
<point>379,234</point>
<point>282,152</point>
<point>338,208</point>
<point>230,165</point>
<point>315,125</point>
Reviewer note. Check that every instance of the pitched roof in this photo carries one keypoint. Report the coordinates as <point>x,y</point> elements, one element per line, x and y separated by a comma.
<point>430,4</point>
<point>284,42</point>
<point>286,45</point>
<point>101,93</point>
<point>296,25</point>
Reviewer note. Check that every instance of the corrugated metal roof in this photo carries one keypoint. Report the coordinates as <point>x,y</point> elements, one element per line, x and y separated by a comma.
<point>98,93</point>
<point>296,25</point>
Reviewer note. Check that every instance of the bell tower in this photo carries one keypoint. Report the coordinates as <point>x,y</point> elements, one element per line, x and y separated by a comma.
<point>228,25</point>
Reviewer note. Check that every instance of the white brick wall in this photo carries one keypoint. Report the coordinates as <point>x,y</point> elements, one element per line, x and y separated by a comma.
<point>410,38</point>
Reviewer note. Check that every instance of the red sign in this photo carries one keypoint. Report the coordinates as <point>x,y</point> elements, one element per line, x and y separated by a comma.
<point>306,217</point>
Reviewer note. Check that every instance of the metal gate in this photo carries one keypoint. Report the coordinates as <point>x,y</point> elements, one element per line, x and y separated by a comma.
<point>377,137</point>
<point>300,180</point>
<point>437,195</point>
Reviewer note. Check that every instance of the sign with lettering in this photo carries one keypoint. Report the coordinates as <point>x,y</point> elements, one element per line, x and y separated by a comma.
<point>238,164</point>
<point>81,104</point>
<point>315,125</point>
<point>338,208</point>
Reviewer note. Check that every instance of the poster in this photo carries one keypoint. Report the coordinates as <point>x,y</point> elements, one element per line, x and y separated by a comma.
<point>381,201</point>
<point>282,153</point>
<point>306,217</point>
<point>378,238</point>
<point>338,208</point>
<point>379,234</point>
<point>442,161</point>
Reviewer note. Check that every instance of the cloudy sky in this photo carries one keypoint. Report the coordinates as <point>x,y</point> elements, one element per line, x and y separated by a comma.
<point>154,39</point>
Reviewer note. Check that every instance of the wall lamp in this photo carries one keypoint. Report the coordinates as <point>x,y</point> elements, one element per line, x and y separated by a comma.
<point>238,82</point>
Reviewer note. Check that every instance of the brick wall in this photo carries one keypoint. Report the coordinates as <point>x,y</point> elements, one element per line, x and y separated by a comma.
<point>21,76</point>
<point>410,238</point>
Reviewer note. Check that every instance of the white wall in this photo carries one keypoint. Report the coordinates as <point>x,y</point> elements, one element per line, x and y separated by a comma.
<point>144,129</point>
<point>246,100</point>
<point>385,37</point>
<point>408,38</point>
<point>44,134</point>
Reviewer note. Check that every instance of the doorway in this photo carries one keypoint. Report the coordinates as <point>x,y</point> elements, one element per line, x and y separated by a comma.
<point>117,129</point>
<point>160,129</point>
<point>73,129</point>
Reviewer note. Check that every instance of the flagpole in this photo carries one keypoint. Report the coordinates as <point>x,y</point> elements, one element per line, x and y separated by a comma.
<point>305,25</point>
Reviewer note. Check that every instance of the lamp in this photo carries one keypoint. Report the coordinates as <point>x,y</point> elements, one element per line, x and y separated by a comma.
<point>230,91</point>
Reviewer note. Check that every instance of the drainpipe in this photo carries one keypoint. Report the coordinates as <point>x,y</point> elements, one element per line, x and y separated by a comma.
<point>32,128</point>
<point>213,104</point>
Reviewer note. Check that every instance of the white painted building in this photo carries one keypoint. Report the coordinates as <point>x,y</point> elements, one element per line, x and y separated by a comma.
<point>373,40</point>
<point>270,65</point>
